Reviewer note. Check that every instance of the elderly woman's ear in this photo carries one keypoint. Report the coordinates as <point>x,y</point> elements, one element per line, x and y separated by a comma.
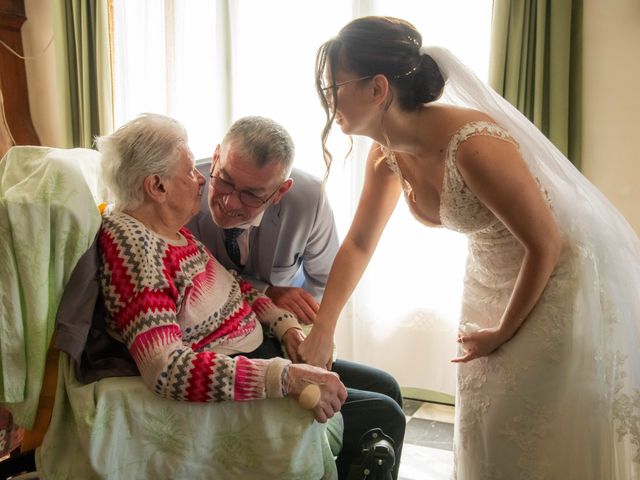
<point>154,188</point>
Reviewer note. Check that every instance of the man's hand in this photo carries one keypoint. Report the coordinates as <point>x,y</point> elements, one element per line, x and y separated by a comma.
<point>317,348</point>
<point>332,392</point>
<point>291,340</point>
<point>297,300</point>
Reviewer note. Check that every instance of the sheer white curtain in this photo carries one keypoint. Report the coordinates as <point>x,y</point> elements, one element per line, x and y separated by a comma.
<point>208,63</point>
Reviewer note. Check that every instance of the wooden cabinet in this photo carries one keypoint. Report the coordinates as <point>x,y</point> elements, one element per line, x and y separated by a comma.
<point>16,127</point>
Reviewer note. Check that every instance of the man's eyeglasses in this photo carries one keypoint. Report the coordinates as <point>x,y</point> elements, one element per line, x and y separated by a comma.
<point>247,198</point>
<point>330,88</point>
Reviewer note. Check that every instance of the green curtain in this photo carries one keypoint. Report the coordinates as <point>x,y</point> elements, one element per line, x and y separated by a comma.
<point>85,76</point>
<point>536,64</point>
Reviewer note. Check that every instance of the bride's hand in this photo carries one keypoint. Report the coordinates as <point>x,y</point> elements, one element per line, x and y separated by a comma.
<point>317,348</point>
<point>479,343</point>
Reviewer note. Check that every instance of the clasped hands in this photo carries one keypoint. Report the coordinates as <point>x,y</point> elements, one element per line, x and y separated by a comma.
<point>332,391</point>
<point>318,347</point>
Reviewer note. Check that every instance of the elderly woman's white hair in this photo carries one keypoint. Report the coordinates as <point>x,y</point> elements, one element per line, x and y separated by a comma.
<point>147,145</point>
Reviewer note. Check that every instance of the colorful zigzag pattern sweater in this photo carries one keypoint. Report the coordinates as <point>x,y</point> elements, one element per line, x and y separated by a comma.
<point>181,314</point>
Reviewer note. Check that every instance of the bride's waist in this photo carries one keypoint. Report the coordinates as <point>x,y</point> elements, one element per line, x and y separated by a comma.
<point>498,268</point>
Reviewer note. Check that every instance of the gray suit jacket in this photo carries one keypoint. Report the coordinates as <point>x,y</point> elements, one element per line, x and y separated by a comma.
<point>294,245</point>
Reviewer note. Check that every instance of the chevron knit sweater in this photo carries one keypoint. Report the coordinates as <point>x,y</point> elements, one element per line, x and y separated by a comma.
<point>181,313</point>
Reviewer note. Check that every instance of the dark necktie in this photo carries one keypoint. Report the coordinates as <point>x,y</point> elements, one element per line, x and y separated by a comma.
<point>231,244</point>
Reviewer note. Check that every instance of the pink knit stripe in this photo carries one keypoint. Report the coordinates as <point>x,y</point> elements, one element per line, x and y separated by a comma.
<point>156,338</point>
<point>205,279</point>
<point>262,304</point>
<point>187,233</point>
<point>147,301</point>
<point>247,385</point>
<point>199,383</point>
<point>121,278</point>
<point>203,283</point>
<point>230,324</point>
<point>175,256</point>
<point>245,286</point>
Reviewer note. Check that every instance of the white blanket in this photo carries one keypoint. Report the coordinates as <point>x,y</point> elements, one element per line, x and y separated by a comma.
<point>48,218</point>
<point>118,429</point>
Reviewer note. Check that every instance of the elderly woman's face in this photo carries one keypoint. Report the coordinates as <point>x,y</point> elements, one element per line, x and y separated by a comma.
<point>185,187</point>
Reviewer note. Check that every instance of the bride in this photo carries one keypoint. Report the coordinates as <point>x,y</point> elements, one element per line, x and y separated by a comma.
<point>549,364</point>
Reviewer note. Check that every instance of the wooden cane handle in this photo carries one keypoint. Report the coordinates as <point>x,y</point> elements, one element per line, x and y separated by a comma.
<point>309,397</point>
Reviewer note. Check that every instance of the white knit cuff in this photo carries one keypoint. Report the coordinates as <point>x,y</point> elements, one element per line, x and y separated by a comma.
<point>274,377</point>
<point>284,322</point>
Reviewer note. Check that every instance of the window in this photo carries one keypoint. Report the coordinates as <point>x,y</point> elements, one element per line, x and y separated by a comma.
<point>208,63</point>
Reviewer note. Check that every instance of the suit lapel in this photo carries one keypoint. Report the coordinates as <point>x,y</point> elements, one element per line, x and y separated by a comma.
<point>263,241</point>
<point>209,233</point>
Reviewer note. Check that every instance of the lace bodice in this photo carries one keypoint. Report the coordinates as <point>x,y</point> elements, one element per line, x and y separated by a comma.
<point>459,208</point>
<point>494,254</point>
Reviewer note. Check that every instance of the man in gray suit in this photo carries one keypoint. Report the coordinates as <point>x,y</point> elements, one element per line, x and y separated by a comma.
<point>273,225</point>
<point>280,216</point>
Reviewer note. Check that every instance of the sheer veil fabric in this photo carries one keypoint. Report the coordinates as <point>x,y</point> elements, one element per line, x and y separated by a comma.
<point>587,426</point>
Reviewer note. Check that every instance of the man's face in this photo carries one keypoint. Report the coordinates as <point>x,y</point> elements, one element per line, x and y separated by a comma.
<point>239,190</point>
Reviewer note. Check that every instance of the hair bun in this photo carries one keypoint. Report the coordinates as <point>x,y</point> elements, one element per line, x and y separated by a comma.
<point>428,80</point>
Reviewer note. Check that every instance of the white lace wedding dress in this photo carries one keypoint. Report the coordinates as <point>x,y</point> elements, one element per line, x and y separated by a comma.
<point>554,402</point>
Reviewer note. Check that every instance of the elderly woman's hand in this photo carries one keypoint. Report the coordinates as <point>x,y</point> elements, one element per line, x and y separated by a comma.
<point>332,392</point>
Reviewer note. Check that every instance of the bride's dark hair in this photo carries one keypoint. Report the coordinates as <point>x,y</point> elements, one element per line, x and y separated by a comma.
<point>369,46</point>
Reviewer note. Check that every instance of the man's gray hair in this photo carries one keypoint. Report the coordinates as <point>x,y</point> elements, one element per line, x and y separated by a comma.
<point>146,145</point>
<point>263,141</point>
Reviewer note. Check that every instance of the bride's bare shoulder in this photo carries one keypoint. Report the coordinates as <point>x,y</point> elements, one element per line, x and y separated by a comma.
<point>454,115</point>
<point>448,119</point>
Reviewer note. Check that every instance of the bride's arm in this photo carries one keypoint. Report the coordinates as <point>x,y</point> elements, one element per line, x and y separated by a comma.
<point>496,173</point>
<point>379,197</point>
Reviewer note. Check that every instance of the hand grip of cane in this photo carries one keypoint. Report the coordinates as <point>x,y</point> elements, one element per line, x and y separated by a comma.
<point>309,397</point>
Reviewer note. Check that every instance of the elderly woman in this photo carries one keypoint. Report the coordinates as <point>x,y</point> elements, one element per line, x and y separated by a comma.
<point>191,326</point>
